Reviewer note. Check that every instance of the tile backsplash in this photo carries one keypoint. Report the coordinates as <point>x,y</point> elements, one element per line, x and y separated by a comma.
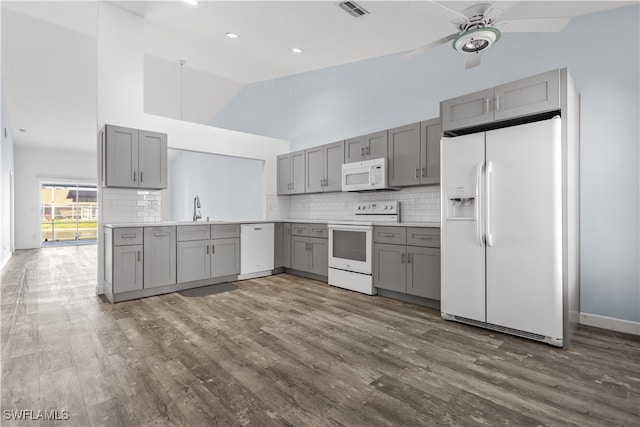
<point>417,204</point>
<point>121,205</point>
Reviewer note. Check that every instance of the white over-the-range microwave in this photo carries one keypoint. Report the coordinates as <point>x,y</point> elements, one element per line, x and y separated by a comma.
<point>365,175</point>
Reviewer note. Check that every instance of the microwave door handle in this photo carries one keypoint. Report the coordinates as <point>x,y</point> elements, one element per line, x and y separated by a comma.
<point>370,175</point>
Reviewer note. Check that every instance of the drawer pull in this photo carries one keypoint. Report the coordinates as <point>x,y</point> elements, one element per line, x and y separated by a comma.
<point>390,235</point>
<point>160,235</point>
<point>257,228</point>
<point>128,236</point>
<point>317,230</point>
<point>424,237</point>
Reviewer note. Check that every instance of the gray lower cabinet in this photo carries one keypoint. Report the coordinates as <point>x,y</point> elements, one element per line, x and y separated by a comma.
<point>159,256</point>
<point>201,258</point>
<point>194,261</point>
<point>390,271</point>
<point>278,245</point>
<point>412,268</point>
<point>423,272</point>
<point>300,259</point>
<point>286,245</point>
<point>282,245</point>
<point>123,266</point>
<point>225,257</point>
<point>310,248</point>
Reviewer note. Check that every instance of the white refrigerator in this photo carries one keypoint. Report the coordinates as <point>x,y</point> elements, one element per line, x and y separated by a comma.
<point>502,230</point>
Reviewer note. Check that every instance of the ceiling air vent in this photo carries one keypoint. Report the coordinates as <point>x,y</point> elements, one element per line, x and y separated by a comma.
<point>353,9</point>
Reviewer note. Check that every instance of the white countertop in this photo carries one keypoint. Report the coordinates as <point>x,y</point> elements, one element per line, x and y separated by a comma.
<point>304,221</point>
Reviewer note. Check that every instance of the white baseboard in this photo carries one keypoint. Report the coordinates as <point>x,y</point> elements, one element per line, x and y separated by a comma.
<point>611,323</point>
<point>5,260</point>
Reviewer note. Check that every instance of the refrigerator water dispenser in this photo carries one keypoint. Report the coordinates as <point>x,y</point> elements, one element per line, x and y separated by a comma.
<point>461,203</point>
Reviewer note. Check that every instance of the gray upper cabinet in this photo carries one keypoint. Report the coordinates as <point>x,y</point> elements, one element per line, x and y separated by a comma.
<point>532,95</point>
<point>133,159</point>
<point>291,174</point>
<point>528,96</point>
<point>372,146</point>
<point>430,134</point>
<point>159,256</point>
<point>323,167</point>
<point>152,160</point>
<point>404,165</point>
<point>468,110</point>
<point>414,154</point>
<point>314,169</point>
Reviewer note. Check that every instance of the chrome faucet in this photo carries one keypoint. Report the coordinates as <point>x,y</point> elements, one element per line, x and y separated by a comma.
<point>196,205</point>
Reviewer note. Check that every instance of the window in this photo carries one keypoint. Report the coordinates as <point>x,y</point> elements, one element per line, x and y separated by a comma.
<point>69,213</point>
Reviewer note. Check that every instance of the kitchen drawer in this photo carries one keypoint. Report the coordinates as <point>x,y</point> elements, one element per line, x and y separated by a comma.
<point>423,236</point>
<point>300,229</point>
<point>318,230</point>
<point>225,231</point>
<point>194,232</point>
<point>392,235</point>
<point>127,236</point>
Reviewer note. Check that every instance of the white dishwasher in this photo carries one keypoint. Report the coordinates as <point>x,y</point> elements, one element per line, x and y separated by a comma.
<point>256,250</point>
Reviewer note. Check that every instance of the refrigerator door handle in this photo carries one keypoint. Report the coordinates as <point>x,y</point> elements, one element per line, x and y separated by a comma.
<point>489,170</point>
<point>478,199</point>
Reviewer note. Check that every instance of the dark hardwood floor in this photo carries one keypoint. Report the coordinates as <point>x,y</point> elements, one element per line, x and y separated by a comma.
<point>284,350</point>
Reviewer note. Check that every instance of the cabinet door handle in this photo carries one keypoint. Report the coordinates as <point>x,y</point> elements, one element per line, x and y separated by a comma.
<point>497,102</point>
<point>417,172</point>
<point>486,106</point>
<point>134,176</point>
<point>140,176</point>
<point>409,258</point>
<point>402,258</point>
<point>424,172</point>
<point>207,249</point>
<point>213,248</point>
<point>362,152</point>
<point>138,256</point>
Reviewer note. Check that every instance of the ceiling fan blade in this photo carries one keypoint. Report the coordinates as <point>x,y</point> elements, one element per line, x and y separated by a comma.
<point>472,60</point>
<point>498,8</point>
<point>415,52</point>
<point>540,25</point>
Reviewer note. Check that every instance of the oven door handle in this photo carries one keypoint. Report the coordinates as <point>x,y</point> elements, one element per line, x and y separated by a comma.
<point>350,227</point>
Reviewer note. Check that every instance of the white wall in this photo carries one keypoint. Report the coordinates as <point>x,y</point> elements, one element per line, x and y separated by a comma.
<point>33,166</point>
<point>229,188</point>
<point>6,169</point>
<point>354,99</point>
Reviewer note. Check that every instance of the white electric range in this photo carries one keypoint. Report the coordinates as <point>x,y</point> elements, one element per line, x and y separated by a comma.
<point>351,245</point>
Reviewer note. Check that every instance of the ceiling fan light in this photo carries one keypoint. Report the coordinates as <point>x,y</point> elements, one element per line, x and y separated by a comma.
<point>476,40</point>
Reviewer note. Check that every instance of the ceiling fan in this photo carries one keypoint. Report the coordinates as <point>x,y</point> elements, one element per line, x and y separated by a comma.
<point>478,28</point>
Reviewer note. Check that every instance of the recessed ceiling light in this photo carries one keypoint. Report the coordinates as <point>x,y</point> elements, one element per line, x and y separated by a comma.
<point>296,50</point>
<point>232,35</point>
<point>191,2</point>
